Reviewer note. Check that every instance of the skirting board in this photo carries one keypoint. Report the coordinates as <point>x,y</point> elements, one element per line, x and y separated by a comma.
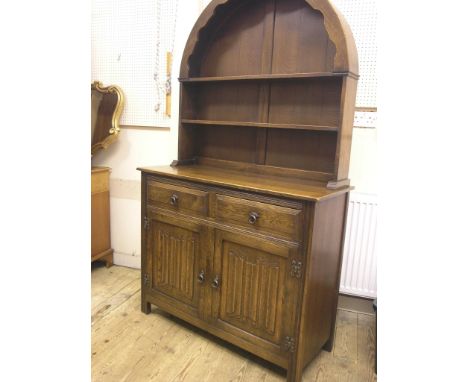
<point>126,260</point>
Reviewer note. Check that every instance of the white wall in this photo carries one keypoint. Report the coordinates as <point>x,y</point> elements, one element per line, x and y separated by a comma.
<point>142,147</point>
<point>150,147</point>
<point>363,166</point>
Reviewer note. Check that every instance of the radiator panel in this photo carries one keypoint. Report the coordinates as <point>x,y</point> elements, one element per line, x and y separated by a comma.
<point>359,270</point>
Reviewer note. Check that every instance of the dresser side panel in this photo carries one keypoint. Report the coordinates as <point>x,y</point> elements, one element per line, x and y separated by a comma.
<point>324,249</point>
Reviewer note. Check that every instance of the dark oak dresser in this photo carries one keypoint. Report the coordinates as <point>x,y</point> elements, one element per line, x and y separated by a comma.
<point>243,234</point>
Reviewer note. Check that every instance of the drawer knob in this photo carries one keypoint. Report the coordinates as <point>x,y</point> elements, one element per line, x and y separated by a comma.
<point>253,217</point>
<point>174,199</point>
<point>201,277</point>
<point>215,283</point>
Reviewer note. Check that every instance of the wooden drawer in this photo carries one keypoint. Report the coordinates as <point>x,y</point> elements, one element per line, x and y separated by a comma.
<point>273,219</point>
<point>177,198</point>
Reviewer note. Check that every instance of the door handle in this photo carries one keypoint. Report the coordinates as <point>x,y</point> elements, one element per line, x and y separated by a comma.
<point>201,277</point>
<point>215,284</point>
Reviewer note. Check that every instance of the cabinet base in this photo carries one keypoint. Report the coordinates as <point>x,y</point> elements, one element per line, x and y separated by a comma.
<point>107,256</point>
<point>294,374</point>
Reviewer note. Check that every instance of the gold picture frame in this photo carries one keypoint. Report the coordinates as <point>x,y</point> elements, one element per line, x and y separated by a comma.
<point>107,104</point>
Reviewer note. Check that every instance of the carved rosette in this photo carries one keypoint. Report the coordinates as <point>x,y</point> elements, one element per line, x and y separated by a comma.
<point>289,344</point>
<point>296,269</point>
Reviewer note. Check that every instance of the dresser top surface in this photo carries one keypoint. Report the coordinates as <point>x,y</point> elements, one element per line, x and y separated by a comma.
<point>273,185</point>
<point>96,169</point>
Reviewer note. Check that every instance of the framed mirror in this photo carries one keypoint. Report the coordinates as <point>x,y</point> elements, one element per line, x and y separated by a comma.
<point>106,108</point>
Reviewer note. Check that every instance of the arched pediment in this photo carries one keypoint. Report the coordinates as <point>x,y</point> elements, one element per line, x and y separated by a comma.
<point>238,37</point>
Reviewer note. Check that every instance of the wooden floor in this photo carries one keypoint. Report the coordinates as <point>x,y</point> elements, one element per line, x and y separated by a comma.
<point>128,345</point>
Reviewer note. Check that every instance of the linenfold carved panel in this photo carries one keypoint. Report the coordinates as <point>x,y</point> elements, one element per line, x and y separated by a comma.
<point>253,290</point>
<point>174,260</point>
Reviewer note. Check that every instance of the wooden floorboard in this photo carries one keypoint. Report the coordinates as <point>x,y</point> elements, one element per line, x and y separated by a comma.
<point>130,346</point>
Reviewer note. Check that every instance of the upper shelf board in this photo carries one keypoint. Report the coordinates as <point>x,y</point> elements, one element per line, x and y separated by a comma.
<point>260,124</point>
<point>257,77</point>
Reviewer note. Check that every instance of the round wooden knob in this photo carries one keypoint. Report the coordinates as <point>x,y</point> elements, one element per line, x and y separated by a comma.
<point>174,199</point>
<point>253,217</point>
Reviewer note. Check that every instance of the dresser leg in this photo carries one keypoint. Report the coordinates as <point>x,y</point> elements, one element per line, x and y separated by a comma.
<point>331,340</point>
<point>329,344</point>
<point>145,307</point>
<point>295,367</point>
<point>107,256</point>
<point>294,375</point>
<point>109,259</point>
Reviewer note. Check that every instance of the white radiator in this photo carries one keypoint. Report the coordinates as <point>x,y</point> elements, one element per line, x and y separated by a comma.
<point>359,271</point>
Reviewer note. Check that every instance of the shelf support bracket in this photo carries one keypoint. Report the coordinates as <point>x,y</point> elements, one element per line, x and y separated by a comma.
<point>183,162</point>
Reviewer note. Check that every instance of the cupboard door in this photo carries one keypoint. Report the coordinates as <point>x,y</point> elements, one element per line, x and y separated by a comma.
<point>175,264</point>
<point>256,295</point>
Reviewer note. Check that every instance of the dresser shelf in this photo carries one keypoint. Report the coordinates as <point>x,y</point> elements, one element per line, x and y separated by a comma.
<point>262,77</point>
<point>260,124</point>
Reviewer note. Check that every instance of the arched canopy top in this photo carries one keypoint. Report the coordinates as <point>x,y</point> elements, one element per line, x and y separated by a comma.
<point>238,37</point>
